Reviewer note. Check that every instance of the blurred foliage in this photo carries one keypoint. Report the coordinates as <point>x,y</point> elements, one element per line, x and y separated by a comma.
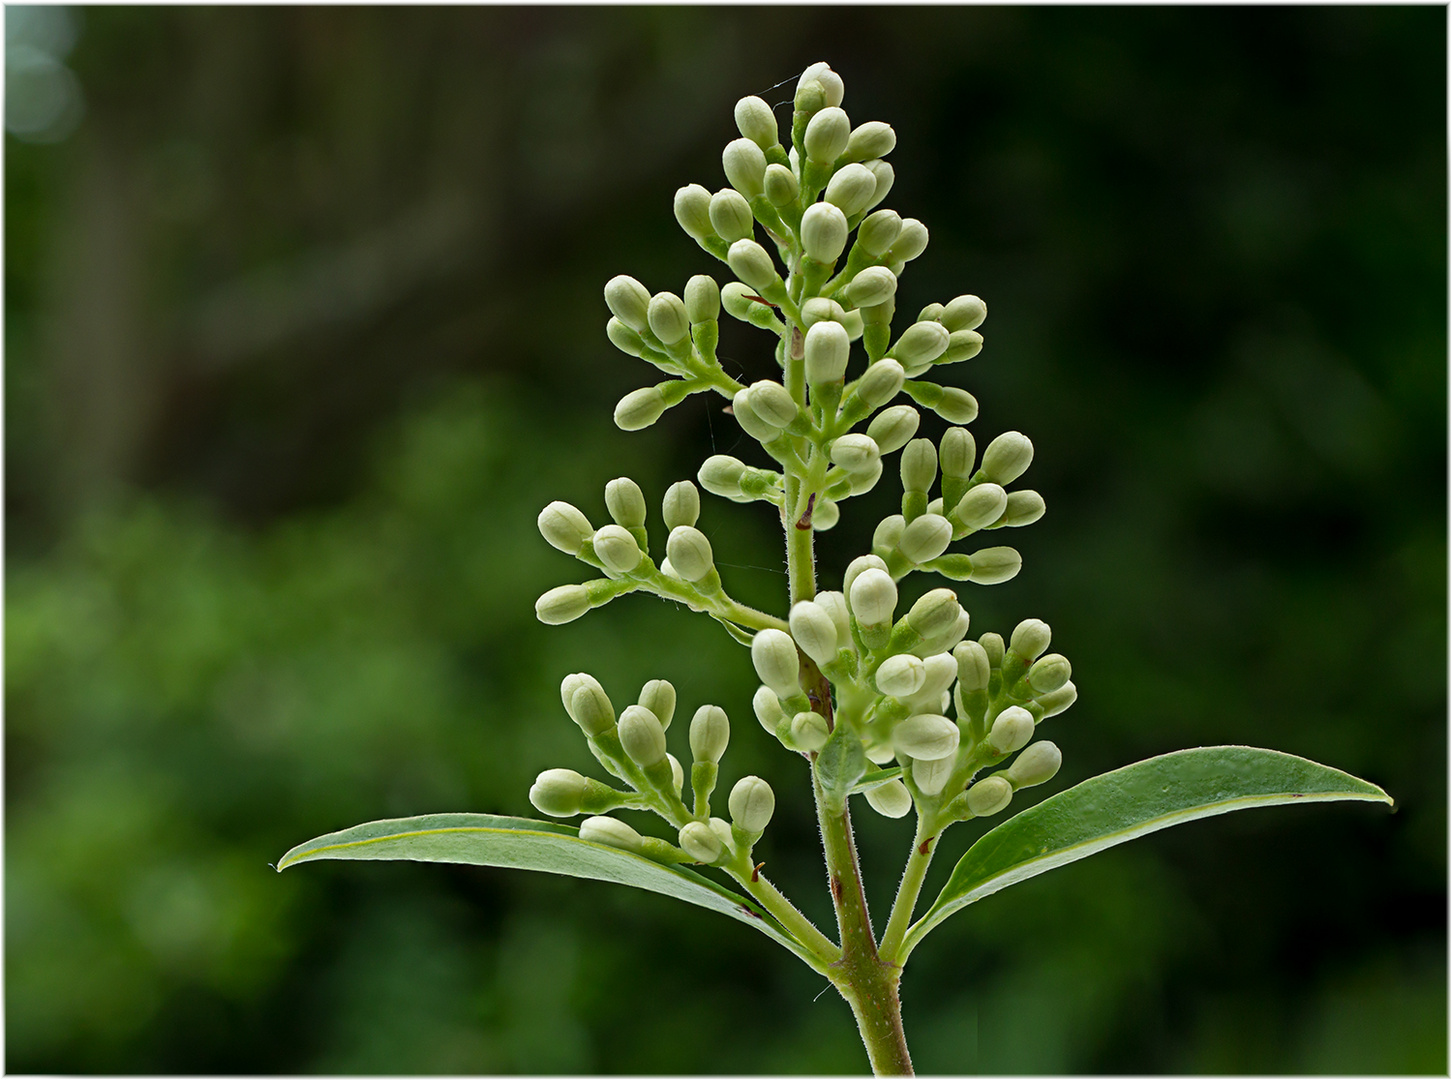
<point>303,326</point>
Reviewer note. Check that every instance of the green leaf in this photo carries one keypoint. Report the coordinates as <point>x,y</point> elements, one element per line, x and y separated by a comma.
<point>840,764</point>
<point>521,843</point>
<point>1130,802</point>
<point>876,778</point>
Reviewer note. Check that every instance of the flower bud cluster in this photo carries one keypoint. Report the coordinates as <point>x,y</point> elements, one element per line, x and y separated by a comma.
<point>633,748</point>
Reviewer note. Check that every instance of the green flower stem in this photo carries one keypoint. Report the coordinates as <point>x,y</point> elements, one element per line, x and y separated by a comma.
<point>768,896</point>
<point>924,846</point>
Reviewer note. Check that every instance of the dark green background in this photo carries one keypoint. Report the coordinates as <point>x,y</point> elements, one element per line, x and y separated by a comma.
<point>303,326</point>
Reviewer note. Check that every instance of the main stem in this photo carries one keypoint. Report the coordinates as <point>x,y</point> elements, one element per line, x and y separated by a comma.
<point>867,983</point>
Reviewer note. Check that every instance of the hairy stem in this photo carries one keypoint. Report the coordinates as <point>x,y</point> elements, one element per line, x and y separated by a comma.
<point>924,845</point>
<point>768,896</point>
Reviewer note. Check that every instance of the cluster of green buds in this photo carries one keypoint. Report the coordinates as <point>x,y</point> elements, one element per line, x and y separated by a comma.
<point>633,748</point>
<point>846,680</point>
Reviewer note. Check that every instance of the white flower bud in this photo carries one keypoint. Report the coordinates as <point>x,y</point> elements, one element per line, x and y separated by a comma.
<point>617,549</point>
<point>823,232</point>
<point>667,318</point>
<point>1030,638</point>
<point>878,231</point>
<point>1024,508</point>
<point>921,343</point>
<point>826,349</point>
<point>957,406</point>
<point>814,632</point>
<point>659,697</point>
<point>880,383</point>
<point>628,301</point>
<point>710,732</point>
<point>781,185</point>
<point>703,299</point>
<point>855,453</point>
<point>964,313</point>
<point>935,612</point>
<point>771,401</point>
<point>974,670</point>
<point>689,552</point>
<point>612,832</point>
<point>721,474</point>
<point>642,735</point>
<point>565,527</point>
<point>872,286</point>
<point>1036,765</point>
<point>640,408</point>
<point>989,796</point>
<point>821,309</point>
<point>692,207</point>
<point>982,506</point>
<point>750,262</point>
<point>835,605</point>
<point>751,421</point>
<point>926,537</point>
<point>1012,730</point>
<point>752,802</point>
<point>681,505</point>
<point>926,736</point>
<point>731,215</point>
<point>892,428</point>
<point>625,502</point>
<point>774,655</point>
<point>939,671</point>
<point>826,135</point>
<point>1008,457</point>
<point>561,605</point>
<point>857,565</point>
<point>883,171</point>
<point>900,676</point>
<point>932,777</point>
<point>911,242</point>
<point>851,189</point>
<point>873,595</point>
<point>809,731</point>
<point>957,452</point>
<point>624,338</point>
<point>1057,701</point>
<point>767,708</point>
<point>853,322</point>
<point>1049,673</point>
<point>995,565</point>
<point>699,842</point>
<point>558,792</point>
<point>756,121</point>
<point>745,166</point>
<point>888,532</point>
<point>962,345</point>
<point>873,139</point>
<point>678,774</point>
<point>586,702</point>
<point>890,800</point>
<point>919,465</point>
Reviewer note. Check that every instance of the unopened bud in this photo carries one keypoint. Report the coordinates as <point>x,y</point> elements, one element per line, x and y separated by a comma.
<point>681,505</point>
<point>920,344</point>
<point>731,215</point>
<point>767,707</point>
<point>995,565</point>
<point>900,676</point>
<point>892,428</point>
<point>919,465</point>
<point>956,453</point>
<point>752,422</point>
<point>872,286</point>
<point>689,552</point>
<point>721,474</point>
<point>891,800</point>
<point>612,832</point>
<point>932,777</point>
<point>1012,730</point>
<point>745,166</point>
<point>756,121</point>
<point>659,697</point>
<point>1030,638</point>
<point>626,503</point>
<point>774,655</point>
<point>710,732</point>
<point>642,736</point>
<point>962,345</point>
<point>1059,700</point>
<point>823,232</point>
<point>989,796</point>
<point>974,670</point>
<point>771,401</point>
<point>880,383</point>
<point>851,189</point>
<point>826,135</point>
<point>558,792</point>
<point>883,171</point>
<point>888,532</point>
<point>692,207</point>
<point>667,318</point>
<point>628,301</point>
<point>957,406</point>
<point>750,262</point>
<point>935,612</point>
<point>640,408</point>
<point>1024,508</point>
<point>1036,765</point>
<point>821,309</point>
<point>699,842</point>
<point>855,453</point>
<point>826,349</point>
<point>873,139</point>
<point>624,338</point>
<point>983,505</point>
<point>1049,673</point>
<point>751,803</point>
<point>873,595</point>
<point>617,549</point>
<point>809,731</point>
<point>964,313</point>
<point>926,537</point>
<point>911,242</point>
<point>781,185</point>
<point>1007,457</point>
<point>561,605</point>
<point>565,527</point>
<point>814,631</point>
<point>878,231</point>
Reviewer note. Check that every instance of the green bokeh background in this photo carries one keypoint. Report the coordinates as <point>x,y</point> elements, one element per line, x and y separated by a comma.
<point>303,326</point>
